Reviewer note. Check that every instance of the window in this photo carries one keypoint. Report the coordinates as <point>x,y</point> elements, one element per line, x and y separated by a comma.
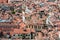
<point>28,18</point>
<point>41,13</point>
<point>35,27</point>
<point>59,17</point>
<point>39,27</point>
<point>20,35</point>
<point>28,36</point>
<point>26,26</point>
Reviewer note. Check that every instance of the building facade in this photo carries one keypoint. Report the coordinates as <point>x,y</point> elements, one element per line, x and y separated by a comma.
<point>3,1</point>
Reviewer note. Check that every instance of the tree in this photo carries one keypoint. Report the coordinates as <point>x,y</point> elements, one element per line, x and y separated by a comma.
<point>13,12</point>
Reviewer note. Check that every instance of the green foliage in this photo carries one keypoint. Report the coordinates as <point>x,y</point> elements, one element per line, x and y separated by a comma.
<point>13,12</point>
